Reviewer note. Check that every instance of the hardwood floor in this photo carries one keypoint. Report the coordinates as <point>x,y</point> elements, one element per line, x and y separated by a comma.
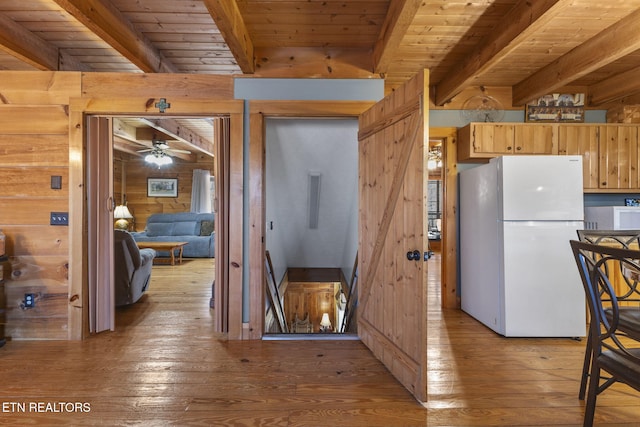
<point>164,366</point>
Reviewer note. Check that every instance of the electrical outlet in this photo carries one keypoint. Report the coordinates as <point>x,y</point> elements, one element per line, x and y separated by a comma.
<point>29,300</point>
<point>59,218</point>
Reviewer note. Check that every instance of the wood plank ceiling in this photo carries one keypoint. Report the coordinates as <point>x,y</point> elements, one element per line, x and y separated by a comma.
<point>529,48</point>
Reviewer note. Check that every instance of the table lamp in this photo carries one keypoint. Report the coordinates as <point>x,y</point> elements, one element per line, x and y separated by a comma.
<point>325,323</point>
<point>122,215</point>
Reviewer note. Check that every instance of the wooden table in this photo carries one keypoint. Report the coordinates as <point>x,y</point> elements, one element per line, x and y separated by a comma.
<point>165,246</point>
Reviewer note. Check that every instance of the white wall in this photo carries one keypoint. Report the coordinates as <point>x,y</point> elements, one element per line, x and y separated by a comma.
<point>295,148</point>
<point>290,89</point>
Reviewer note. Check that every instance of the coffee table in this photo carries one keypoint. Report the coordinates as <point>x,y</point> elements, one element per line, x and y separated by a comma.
<point>165,246</point>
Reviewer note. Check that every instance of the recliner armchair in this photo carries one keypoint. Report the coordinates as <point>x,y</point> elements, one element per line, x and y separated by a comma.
<point>132,268</point>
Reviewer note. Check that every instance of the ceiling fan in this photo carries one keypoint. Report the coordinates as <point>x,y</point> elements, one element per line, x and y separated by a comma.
<point>160,146</point>
<point>160,153</point>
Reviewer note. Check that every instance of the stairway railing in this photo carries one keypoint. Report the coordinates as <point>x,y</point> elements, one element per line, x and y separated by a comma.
<point>352,299</point>
<point>274,295</point>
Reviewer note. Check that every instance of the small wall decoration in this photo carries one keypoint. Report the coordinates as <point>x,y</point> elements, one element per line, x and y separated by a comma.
<point>162,187</point>
<point>556,107</point>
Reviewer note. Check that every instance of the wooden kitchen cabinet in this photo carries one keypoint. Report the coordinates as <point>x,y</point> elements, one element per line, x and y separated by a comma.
<point>610,155</point>
<point>483,141</point>
<point>535,139</point>
<point>582,140</point>
<point>618,157</point>
<point>610,152</point>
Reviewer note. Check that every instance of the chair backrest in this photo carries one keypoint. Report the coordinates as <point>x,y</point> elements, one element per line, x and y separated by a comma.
<point>626,290</point>
<point>595,264</point>
<point>301,326</point>
<point>629,239</point>
<point>126,252</point>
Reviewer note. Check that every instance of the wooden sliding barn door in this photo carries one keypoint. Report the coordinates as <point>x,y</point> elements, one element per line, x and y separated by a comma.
<point>392,308</point>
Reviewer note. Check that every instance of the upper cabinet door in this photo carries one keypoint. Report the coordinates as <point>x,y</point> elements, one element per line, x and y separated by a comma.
<point>618,157</point>
<point>582,140</point>
<point>483,141</point>
<point>534,139</point>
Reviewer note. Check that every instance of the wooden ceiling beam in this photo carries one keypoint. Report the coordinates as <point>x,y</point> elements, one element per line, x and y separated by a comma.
<point>523,20</point>
<point>21,43</point>
<point>620,39</point>
<point>226,15</point>
<point>124,130</point>
<point>396,23</point>
<point>614,88</point>
<point>125,146</point>
<point>128,135</point>
<point>108,23</point>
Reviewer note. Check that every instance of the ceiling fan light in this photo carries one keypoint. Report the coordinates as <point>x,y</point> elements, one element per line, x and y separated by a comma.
<point>158,159</point>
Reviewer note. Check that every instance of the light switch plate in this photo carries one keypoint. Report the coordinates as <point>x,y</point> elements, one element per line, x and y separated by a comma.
<point>59,218</point>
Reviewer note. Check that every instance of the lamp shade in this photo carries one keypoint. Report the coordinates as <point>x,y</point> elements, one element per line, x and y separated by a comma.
<point>122,212</point>
<point>325,322</point>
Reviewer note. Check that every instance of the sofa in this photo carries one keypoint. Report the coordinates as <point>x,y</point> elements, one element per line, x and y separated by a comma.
<point>132,268</point>
<point>196,229</point>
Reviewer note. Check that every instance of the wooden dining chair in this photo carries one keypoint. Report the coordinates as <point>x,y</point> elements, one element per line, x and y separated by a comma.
<point>615,354</point>
<point>626,290</point>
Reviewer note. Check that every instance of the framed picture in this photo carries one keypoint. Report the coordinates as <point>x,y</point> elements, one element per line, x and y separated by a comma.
<point>556,107</point>
<point>162,187</point>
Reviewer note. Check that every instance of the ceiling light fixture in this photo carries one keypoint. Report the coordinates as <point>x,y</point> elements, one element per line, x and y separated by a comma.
<point>158,157</point>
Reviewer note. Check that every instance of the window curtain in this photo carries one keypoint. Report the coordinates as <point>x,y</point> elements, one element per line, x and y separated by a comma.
<point>201,191</point>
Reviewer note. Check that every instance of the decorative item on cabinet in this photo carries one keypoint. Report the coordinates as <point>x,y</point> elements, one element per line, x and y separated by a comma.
<point>556,107</point>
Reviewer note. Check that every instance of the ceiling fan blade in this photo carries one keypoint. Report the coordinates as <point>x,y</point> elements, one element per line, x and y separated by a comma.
<point>179,151</point>
<point>144,151</point>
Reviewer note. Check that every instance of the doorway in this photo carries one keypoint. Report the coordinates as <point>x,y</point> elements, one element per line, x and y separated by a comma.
<point>225,320</point>
<point>445,139</point>
<point>311,195</point>
<point>126,154</point>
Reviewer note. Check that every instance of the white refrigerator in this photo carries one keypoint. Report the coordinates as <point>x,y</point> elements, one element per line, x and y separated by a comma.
<point>517,273</point>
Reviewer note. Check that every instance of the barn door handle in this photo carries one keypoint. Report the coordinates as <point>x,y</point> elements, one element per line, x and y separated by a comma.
<point>413,255</point>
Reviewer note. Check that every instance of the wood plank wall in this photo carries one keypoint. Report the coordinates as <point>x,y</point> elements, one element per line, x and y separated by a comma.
<point>134,172</point>
<point>35,138</point>
<point>34,130</point>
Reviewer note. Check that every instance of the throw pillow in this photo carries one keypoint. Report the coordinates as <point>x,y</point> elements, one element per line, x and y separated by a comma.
<point>206,228</point>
